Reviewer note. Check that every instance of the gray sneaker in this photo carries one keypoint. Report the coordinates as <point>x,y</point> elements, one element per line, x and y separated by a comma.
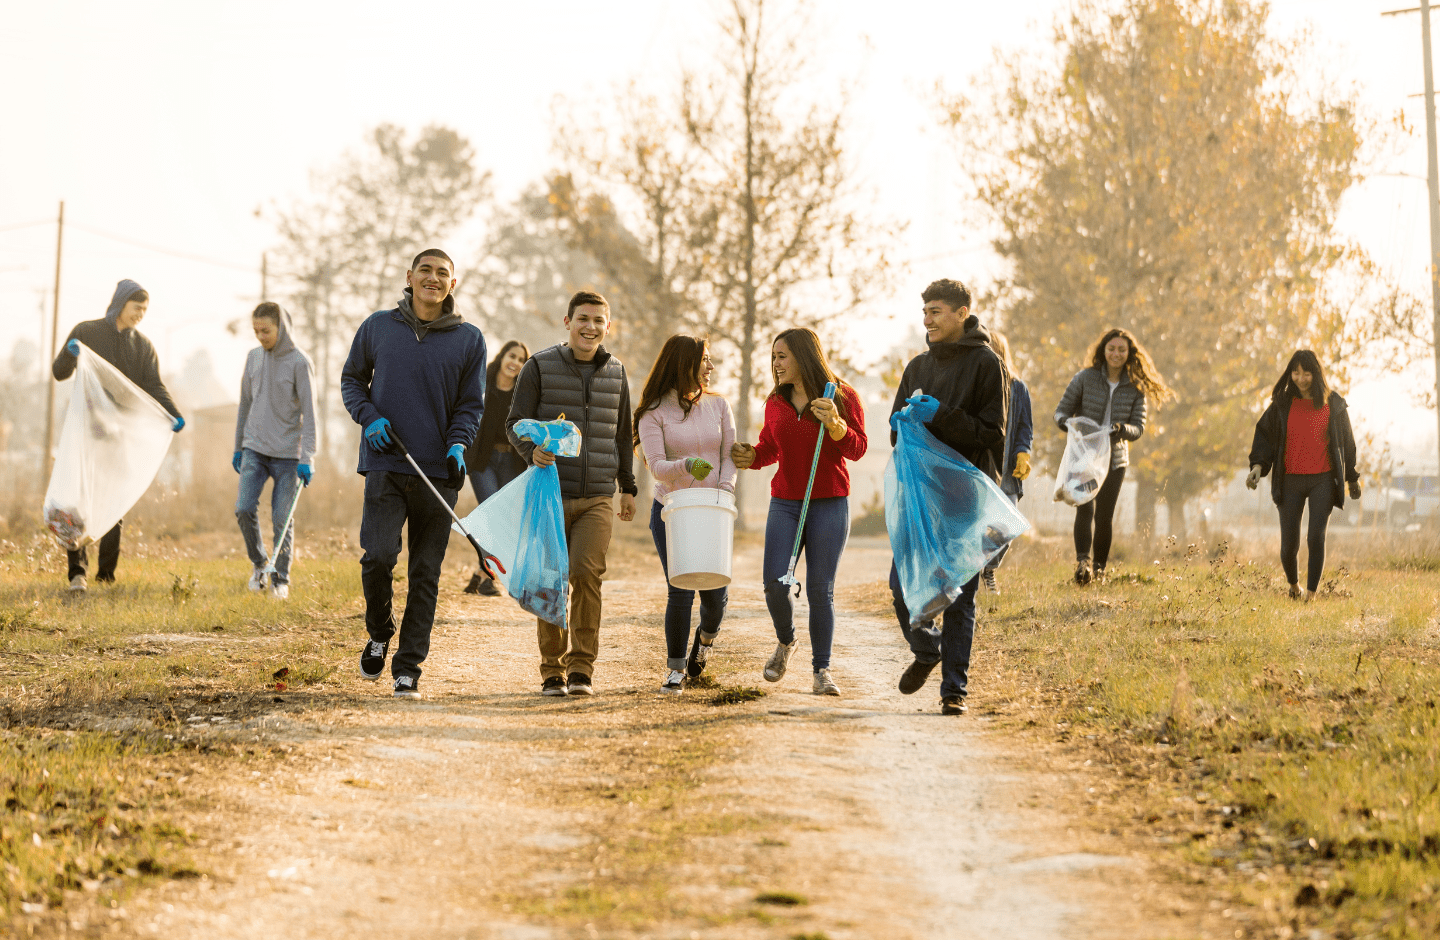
<point>77,584</point>
<point>775,666</point>
<point>407,687</point>
<point>674,683</point>
<point>824,685</point>
<point>257,581</point>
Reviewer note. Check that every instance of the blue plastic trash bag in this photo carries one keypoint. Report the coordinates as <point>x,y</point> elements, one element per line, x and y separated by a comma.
<point>540,578</point>
<point>946,517</point>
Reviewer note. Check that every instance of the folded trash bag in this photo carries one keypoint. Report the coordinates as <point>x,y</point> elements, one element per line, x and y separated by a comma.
<point>946,517</point>
<point>523,525</point>
<point>112,443</point>
<point>1085,463</point>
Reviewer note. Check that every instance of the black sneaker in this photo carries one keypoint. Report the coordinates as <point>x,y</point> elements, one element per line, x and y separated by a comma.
<point>474,586</point>
<point>488,588</point>
<point>579,684</point>
<point>700,653</point>
<point>953,705</point>
<point>407,687</point>
<point>912,680</point>
<point>553,686</point>
<point>1082,572</point>
<point>372,659</point>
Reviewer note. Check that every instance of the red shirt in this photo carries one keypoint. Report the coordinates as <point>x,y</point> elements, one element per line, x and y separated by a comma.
<point>790,440</point>
<point>1307,437</point>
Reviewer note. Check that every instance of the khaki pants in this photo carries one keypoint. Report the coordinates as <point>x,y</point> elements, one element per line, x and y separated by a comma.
<point>587,533</point>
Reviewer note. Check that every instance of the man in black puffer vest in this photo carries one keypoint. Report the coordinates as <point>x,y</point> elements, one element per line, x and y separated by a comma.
<point>582,381</point>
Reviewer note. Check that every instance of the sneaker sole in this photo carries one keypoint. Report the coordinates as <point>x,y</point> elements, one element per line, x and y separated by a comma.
<point>666,691</point>
<point>554,693</point>
<point>407,695</point>
<point>579,690</point>
<point>368,677</point>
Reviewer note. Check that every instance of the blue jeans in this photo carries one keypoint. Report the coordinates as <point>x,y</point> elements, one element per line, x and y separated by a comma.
<point>680,601</point>
<point>827,526</point>
<point>392,500</point>
<point>503,467</point>
<point>950,645</point>
<point>255,469</point>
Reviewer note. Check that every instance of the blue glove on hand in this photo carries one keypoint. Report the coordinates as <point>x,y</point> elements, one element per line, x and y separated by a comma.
<point>304,472</point>
<point>455,466</point>
<point>73,348</point>
<point>235,460</point>
<point>923,408</point>
<point>179,423</point>
<point>377,435</point>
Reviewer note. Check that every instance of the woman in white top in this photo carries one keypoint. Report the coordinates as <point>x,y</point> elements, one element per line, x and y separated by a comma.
<point>685,434</point>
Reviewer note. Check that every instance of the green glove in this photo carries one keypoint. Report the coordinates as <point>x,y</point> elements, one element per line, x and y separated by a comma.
<point>697,468</point>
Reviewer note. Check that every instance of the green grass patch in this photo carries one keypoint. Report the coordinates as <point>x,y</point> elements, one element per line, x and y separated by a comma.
<point>1274,744</point>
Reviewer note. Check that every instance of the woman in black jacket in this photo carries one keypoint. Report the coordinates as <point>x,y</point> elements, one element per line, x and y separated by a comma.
<point>1112,392</point>
<point>493,461</point>
<point>1304,441</point>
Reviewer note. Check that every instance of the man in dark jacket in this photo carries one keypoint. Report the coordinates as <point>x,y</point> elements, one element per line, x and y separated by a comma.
<point>115,339</point>
<point>966,377</point>
<point>583,381</point>
<point>416,373</point>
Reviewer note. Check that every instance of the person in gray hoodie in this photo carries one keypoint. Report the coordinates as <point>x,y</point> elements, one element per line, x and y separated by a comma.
<point>115,339</point>
<point>276,437</point>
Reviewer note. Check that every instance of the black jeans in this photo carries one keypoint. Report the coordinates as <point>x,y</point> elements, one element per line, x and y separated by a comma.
<point>109,556</point>
<point>679,602</point>
<point>1317,489</point>
<point>1100,512</point>
<point>390,500</point>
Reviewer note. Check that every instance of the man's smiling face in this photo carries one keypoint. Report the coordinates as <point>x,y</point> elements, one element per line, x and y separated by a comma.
<point>588,326</point>
<point>431,280</point>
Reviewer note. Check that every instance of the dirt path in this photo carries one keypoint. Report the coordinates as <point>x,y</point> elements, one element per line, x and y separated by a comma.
<point>486,811</point>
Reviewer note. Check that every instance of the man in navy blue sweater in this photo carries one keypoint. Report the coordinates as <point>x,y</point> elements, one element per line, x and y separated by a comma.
<point>416,373</point>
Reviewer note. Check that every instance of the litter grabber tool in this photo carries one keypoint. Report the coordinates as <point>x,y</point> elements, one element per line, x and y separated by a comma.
<point>269,568</point>
<point>789,577</point>
<point>485,557</point>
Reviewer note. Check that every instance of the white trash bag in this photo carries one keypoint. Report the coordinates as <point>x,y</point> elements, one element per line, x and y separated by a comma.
<point>113,441</point>
<point>1085,463</point>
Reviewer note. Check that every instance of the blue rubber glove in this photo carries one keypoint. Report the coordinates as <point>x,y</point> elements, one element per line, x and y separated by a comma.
<point>73,348</point>
<point>179,423</point>
<point>455,466</point>
<point>377,435</point>
<point>235,460</point>
<point>304,472</point>
<point>923,408</point>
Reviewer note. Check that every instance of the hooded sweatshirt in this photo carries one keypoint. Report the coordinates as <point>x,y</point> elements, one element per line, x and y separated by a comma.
<point>277,401</point>
<point>428,379</point>
<point>127,350</point>
<point>968,379</point>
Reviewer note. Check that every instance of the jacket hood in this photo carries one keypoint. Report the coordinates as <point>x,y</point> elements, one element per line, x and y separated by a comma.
<point>447,320</point>
<point>975,335</point>
<point>284,345</point>
<point>123,292</point>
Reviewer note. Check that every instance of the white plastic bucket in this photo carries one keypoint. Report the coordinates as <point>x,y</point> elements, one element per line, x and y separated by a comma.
<point>699,537</point>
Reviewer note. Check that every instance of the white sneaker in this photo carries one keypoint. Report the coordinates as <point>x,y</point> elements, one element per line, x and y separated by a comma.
<point>824,685</point>
<point>674,683</point>
<point>257,580</point>
<point>280,591</point>
<point>775,666</point>
<point>77,584</point>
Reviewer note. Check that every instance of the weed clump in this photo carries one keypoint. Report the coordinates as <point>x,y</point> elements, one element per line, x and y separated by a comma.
<point>781,898</point>
<point>737,696</point>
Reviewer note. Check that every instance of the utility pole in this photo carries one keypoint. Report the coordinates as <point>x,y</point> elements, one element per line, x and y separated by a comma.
<point>49,460</point>
<point>1433,177</point>
<point>264,277</point>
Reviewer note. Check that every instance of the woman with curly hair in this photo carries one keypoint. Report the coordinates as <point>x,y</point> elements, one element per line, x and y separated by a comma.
<point>1112,391</point>
<point>1304,441</point>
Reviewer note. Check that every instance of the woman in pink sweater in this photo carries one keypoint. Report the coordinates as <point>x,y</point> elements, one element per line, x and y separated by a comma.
<point>685,434</point>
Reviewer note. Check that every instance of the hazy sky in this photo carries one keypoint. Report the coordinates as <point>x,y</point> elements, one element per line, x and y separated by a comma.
<point>169,123</point>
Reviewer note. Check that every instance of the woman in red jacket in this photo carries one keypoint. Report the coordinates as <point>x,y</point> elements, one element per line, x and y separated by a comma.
<point>795,417</point>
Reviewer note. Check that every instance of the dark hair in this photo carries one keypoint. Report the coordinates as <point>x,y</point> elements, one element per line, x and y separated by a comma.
<point>676,367</point>
<point>432,253</point>
<point>815,370</point>
<point>1319,388</point>
<point>269,310</point>
<point>587,298</point>
<point>1138,366</point>
<point>954,293</point>
<point>141,296</point>
<point>493,369</point>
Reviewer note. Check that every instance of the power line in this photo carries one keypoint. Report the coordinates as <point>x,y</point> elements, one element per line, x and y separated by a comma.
<point>11,228</point>
<point>249,269</point>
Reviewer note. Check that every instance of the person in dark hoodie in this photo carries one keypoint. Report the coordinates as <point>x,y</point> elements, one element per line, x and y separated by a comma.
<point>115,339</point>
<point>583,381</point>
<point>417,374</point>
<point>1112,391</point>
<point>492,461</point>
<point>969,383</point>
<point>275,439</point>
<point>1305,442</point>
